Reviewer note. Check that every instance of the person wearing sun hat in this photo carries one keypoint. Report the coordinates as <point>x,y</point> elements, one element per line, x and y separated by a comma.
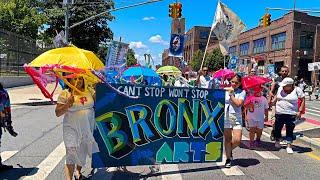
<point>287,110</point>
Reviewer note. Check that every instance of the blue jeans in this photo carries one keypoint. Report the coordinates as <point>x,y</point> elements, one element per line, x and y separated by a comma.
<point>284,119</point>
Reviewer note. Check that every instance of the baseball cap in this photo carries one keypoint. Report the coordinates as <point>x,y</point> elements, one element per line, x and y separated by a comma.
<point>286,81</point>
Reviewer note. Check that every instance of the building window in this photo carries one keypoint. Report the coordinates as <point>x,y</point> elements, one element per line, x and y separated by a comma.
<point>306,40</point>
<point>244,49</point>
<point>278,41</point>
<point>204,34</point>
<point>232,50</point>
<point>259,45</point>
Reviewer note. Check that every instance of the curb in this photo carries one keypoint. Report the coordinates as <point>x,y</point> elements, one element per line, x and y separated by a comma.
<point>299,137</point>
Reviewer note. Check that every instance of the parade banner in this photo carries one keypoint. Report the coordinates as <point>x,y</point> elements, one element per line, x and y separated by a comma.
<point>117,53</point>
<point>164,125</point>
<point>233,63</point>
<point>176,45</point>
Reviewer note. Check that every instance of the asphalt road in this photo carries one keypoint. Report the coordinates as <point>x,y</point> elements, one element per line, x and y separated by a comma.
<point>38,153</point>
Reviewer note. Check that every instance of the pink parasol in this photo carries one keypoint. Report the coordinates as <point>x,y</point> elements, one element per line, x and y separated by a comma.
<point>252,81</point>
<point>226,73</point>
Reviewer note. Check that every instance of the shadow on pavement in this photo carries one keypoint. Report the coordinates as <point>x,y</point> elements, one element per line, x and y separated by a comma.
<point>246,162</point>
<point>264,146</point>
<point>16,173</point>
<point>42,103</point>
<point>300,149</point>
<point>181,171</point>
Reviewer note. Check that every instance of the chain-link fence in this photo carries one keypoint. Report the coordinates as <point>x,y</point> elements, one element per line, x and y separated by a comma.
<point>15,51</point>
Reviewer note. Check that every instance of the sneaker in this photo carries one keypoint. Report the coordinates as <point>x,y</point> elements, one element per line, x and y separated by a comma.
<point>277,144</point>
<point>251,145</point>
<point>112,169</point>
<point>228,163</point>
<point>257,142</point>
<point>289,150</point>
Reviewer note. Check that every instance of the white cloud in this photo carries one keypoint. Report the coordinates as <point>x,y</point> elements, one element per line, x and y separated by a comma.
<point>148,18</point>
<point>137,45</point>
<point>158,39</point>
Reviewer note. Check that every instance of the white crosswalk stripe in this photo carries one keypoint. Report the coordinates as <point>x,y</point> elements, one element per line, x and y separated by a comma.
<point>5,155</point>
<point>170,168</point>
<point>263,154</point>
<point>48,164</point>
<point>233,171</point>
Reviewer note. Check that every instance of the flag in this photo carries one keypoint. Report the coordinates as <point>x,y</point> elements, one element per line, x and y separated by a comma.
<point>227,26</point>
<point>176,45</point>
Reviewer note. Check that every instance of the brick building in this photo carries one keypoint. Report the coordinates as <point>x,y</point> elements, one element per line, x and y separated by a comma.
<point>196,39</point>
<point>292,40</point>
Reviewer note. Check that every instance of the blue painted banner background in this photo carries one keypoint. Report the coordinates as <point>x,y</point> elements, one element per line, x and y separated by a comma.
<point>164,125</point>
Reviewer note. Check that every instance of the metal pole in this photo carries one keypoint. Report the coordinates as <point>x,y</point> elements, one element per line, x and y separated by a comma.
<point>294,5</point>
<point>111,10</point>
<point>224,62</point>
<point>66,21</point>
<point>315,53</point>
<point>205,51</point>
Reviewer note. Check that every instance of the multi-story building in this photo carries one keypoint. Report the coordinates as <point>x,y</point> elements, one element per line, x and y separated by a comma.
<point>196,39</point>
<point>292,40</point>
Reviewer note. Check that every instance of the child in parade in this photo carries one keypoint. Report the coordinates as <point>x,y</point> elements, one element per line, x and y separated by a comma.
<point>5,120</point>
<point>256,114</point>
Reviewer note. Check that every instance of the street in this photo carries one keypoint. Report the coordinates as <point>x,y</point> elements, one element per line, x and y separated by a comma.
<point>38,152</point>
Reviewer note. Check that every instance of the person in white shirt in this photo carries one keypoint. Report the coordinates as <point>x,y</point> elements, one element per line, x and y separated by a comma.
<point>234,99</point>
<point>287,111</point>
<point>203,78</point>
<point>256,115</point>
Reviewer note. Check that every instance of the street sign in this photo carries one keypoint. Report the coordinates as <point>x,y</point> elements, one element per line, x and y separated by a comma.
<point>163,125</point>
<point>176,45</point>
<point>233,62</point>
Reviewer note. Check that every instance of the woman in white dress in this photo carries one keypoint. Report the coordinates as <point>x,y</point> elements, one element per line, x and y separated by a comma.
<point>78,124</point>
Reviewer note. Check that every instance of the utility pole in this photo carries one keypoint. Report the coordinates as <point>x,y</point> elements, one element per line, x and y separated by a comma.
<point>66,21</point>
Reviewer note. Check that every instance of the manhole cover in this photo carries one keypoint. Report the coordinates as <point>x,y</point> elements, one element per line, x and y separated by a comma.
<point>313,133</point>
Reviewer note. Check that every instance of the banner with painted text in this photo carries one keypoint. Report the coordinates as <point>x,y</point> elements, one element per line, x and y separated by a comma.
<point>162,125</point>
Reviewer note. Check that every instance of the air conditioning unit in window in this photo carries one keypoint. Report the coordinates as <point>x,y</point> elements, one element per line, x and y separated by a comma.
<point>305,53</point>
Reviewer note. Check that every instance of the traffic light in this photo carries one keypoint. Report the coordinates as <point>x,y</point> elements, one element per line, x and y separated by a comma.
<point>172,10</point>
<point>266,20</point>
<point>178,10</point>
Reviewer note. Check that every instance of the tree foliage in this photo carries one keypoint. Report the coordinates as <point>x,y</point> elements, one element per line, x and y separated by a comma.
<point>196,60</point>
<point>87,35</point>
<point>131,59</point>
<point>214,60</point>
<point>21,17</point>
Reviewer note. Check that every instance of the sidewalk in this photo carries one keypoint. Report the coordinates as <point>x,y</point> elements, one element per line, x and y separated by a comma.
<point>30,94</point>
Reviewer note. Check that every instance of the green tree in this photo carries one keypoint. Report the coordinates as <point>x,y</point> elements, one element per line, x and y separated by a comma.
<point>196,60</point>
<point>131,59</point>
<point>21,16</point>
<point>214,60</point>
<point>87,35</point>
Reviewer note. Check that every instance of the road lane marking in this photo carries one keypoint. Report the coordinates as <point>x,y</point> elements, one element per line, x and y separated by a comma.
<point>263,154</point>
<point>310,154</point>
<point>48,164</point>
<point>233,171</point>
<point>170,168</point>
<point>312,113</point>
<point>5,155</point>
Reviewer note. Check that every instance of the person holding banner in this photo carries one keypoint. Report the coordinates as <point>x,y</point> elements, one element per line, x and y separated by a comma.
<point>78,123</point>
<point>233,117</point>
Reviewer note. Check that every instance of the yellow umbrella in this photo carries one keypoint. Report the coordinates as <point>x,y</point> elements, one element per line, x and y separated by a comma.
<point>169,70</point>
<point>68,56</point>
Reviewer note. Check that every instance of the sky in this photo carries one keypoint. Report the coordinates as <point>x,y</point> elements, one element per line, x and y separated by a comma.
<point>147,28</point>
